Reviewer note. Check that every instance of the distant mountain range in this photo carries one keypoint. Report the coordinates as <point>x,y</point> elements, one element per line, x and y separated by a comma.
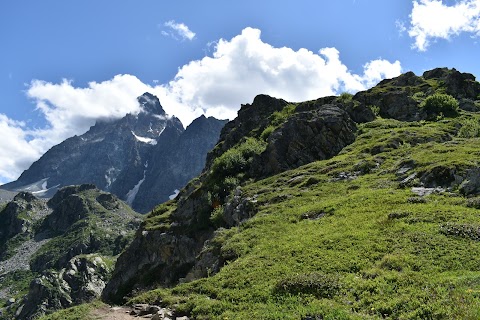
<point>142,158</point>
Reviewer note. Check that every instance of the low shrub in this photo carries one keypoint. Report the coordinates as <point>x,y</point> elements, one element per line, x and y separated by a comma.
<point>440,104</point>
<point>318,284</point>
<point>467,231</point>
<point>238,158</point>
<point>470,128</point>
<point>345,97</point>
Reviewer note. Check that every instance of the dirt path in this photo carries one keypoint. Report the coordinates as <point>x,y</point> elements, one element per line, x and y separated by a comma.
<point>112,313</point>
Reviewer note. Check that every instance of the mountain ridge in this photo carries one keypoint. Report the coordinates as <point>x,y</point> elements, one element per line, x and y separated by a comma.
<point>115,156</point>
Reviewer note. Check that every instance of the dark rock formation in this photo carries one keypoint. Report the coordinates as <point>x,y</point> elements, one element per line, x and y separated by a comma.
<point>19,216</point>
<point>250,117</point>
<point>175,161</point>
<point>306,137</point>
<point>392,99</point>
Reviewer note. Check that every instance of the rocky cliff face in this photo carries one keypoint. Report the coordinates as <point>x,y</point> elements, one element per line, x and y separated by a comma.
<point>64,247</point>
<point>177,160</point>
<point>120,156</point>
<point>306,137</point>
<point>81,280</point>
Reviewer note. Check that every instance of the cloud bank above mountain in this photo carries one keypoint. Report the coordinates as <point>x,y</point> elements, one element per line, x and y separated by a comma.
<point>238,70</point>
<point>432,19</point>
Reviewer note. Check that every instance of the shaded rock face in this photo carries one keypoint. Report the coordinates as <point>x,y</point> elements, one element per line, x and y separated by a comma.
<point>19,215</point>
<point>458,84</point>
<point>142,158</point>
<point>153,258</point>
<point>162,257</point>
<point>304,138</point>
<point>82,280</point>
<point>176,161</point>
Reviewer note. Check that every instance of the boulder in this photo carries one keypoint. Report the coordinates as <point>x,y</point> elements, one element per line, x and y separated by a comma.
<point>81,280</point>
<point>306,137</point>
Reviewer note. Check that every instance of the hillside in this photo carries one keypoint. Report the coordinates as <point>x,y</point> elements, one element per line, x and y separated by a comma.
<point>59,253</point>
<point>349,207</point>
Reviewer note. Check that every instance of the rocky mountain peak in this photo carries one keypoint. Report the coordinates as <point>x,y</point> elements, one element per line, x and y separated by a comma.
<point>121,156</point>
<point>151,104</point>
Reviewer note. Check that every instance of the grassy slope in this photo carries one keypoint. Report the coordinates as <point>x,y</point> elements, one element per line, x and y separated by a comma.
<point>377,251</point>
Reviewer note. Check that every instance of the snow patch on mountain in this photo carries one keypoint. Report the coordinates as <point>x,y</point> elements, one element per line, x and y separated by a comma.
<point>38,186</point>
<point>110,177</point>
<point>174,195</point>
<point>133,192</point>
<point>144,139</point>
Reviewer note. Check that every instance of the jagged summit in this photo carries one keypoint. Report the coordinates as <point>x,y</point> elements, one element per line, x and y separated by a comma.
<point>151,104</point>
<point>119,156</point>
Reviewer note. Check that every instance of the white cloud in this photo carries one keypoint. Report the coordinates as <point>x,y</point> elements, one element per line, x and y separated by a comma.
<point>179,29</point>
<point>216,85</point>
<point>71,110</point>
<point>245,66</point>
<point>400,26</point>
<point>17,151</point>
<point>431,19</point>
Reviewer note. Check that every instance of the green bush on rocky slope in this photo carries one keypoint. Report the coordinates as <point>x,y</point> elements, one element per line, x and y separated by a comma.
<point>339,215</point>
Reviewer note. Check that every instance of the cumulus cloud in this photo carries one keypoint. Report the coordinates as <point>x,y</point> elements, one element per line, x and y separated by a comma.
<point>17,151</point>
<point>216,85</point>
<point>432,19</point>
<point>178,30</point>
<point>244,66</point>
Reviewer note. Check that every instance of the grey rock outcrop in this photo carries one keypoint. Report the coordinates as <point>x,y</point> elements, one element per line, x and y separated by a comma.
<point>250,117</point>
<point>81,280</point>
<point>306,137</point>
<point>19,216</point>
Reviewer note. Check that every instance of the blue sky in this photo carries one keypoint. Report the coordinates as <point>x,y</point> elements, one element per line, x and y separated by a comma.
<point>66,64</point>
